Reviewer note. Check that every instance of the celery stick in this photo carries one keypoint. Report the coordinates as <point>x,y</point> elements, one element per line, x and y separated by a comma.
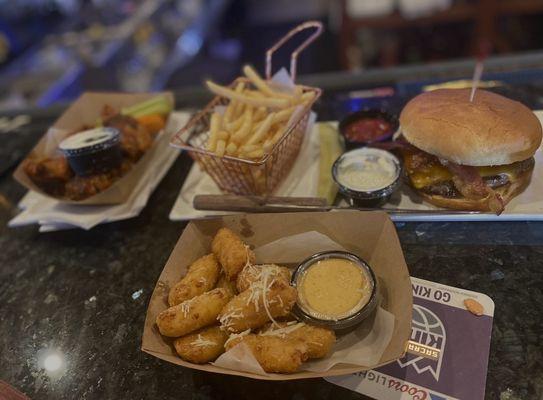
<point>142,105</point>
<point>162,108</point>
<point>157,104</point>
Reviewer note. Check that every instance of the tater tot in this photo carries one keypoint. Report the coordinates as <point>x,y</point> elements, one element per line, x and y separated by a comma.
<point>200,278</point>
<point>193,314</point>
<point>254,307</point>
<point>274,354</point>
<point>227,284</point>
<point>319,340</point>
<point>231,252</point>
<point>254,273</point>
<point>201,346</point>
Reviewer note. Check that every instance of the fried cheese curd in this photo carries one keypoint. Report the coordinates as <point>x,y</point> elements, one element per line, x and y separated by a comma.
<point>201,346</point>
<point>227,284</point>
<point>273,353</point>
<point>319,340</point>
<point>262,302</point>
<point>253,273</point>
<point>201,277</point>
<point>193,314</point>
<point>232,253</point>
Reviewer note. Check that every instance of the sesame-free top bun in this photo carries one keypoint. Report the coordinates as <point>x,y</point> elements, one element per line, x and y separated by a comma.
<point>491,130</point>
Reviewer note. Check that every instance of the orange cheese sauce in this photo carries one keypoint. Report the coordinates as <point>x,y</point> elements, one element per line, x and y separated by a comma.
<point>333,288</point>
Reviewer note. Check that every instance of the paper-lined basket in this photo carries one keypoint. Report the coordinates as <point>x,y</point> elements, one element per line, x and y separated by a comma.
<point>85,111</point>
<point>371,235</point>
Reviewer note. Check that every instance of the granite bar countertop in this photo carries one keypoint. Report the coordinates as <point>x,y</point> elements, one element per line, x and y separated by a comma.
<point>82,296</point>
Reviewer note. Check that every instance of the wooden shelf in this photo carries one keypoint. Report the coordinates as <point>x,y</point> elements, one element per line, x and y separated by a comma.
<point>519,7</point>
<point>457,13</point>
<point>483,14</point>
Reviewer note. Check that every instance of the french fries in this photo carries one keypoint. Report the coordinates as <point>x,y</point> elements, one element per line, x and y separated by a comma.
<point>246,99</point>
<point>255,118</point>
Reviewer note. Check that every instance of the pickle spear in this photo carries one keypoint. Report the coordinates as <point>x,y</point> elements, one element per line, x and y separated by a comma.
<point>331,147</point>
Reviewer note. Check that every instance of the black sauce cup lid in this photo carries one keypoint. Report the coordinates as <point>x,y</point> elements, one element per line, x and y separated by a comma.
<point>90,141</point>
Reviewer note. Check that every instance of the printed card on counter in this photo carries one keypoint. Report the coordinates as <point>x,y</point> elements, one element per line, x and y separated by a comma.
<point>447,356</point>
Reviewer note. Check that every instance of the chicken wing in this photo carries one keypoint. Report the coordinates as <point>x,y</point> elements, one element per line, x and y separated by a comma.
<point>50,174</point>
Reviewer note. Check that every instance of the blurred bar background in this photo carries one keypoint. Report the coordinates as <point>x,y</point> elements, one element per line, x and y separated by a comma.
<point>53,50</point>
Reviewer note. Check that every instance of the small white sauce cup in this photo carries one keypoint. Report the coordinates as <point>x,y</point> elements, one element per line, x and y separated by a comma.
<point>367,198</point>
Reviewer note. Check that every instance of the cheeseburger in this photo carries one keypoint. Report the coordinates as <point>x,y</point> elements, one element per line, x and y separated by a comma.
<point>469,155</point>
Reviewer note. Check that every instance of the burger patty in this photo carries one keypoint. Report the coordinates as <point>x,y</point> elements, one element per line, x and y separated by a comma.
<point>448,189</point>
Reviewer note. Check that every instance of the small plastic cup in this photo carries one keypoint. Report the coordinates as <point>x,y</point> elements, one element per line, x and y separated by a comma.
<point>93,151</point>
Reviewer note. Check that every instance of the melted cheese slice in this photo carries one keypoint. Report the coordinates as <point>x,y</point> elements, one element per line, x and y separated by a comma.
<point>433,174</point>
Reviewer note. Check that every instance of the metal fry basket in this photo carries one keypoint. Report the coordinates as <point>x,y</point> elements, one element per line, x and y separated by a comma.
<point>251,177</point>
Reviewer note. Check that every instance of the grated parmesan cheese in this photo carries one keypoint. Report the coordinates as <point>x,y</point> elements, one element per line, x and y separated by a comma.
<point>227,319</point>
<point>201,342</point>
<point>247,258</point>
<point>185,307</point>
<point>282,332</point>
<point>236,335</point>
<point>259,292</point>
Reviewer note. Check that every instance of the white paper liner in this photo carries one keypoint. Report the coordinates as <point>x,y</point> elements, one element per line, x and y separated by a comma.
<point>364,346</point>
<point>239,358</point>
<point>295,248</point>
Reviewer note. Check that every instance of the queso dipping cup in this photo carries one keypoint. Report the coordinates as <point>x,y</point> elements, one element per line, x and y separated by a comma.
<point>367,177</point>
<point>347,320</point>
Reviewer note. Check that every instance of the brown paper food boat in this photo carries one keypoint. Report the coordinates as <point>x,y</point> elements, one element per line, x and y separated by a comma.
<point>85,111</point>
<point>371,235</point>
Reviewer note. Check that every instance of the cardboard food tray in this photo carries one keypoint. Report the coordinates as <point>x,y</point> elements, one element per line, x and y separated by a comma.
<point>85,111</point>
<point>370,235</point>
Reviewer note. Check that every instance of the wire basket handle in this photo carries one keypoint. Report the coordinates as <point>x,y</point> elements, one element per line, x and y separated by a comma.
<point>294,56</point>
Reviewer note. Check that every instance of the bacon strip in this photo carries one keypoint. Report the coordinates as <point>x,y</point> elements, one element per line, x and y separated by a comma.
<point>466,179</point>
<point>468,182</point>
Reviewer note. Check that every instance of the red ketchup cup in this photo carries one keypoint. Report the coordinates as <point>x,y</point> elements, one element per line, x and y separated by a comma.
<point>367,126</point>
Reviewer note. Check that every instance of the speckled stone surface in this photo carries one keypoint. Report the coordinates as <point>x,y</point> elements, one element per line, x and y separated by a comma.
<point>83,295</point>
